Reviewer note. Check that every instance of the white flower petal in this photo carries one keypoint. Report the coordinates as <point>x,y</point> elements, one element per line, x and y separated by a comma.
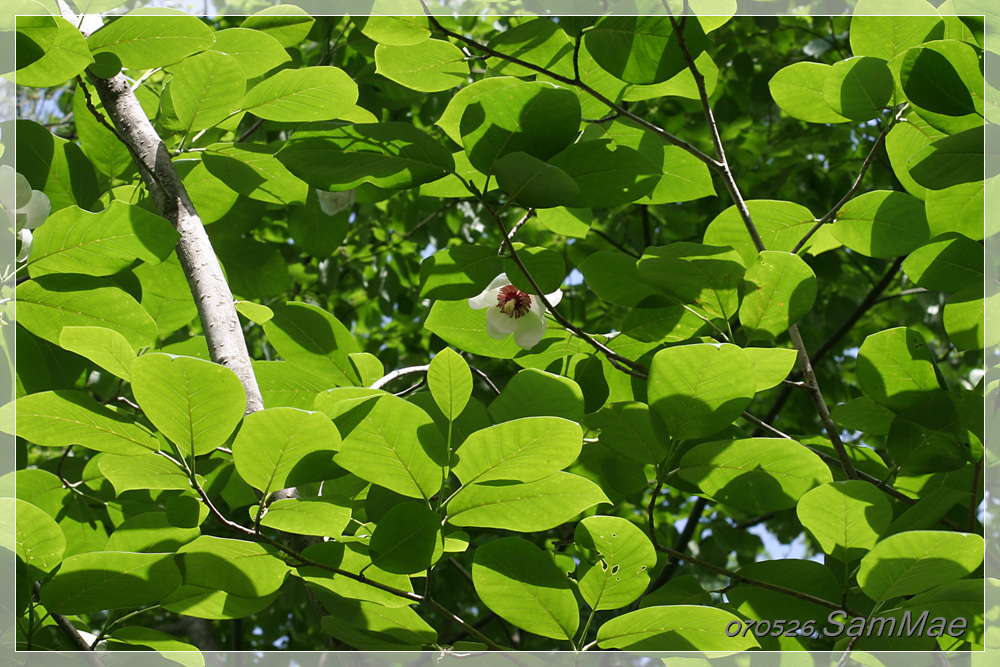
<point>530,330</point>
<point>499,325</point>
<point>26,242</point>
<point>488,297</point>
<point>554,298</point>
<point>8,179</point>
<point>333,203</point>
<point>36,211</point>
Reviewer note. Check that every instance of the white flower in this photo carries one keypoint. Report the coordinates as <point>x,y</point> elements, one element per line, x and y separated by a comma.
<point>25,208</point>
<point>511,311</point>
<point>333,203</point>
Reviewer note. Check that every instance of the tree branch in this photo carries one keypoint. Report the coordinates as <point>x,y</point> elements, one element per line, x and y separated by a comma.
<point>382,382</point>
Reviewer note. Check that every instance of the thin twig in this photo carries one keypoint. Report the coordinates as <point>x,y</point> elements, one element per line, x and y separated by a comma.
<point>68,629</point>
<point>382,382</point>
<point>617,245</point>
<point>485,378</point>
<point>515,229</point>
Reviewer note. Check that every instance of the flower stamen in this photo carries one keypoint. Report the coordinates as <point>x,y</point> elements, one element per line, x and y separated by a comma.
<point>512,302</point>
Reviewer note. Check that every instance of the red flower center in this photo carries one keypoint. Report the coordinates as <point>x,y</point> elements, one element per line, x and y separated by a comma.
<point>512,302</point>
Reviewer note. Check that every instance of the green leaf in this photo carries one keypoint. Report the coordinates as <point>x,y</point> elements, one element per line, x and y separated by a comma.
<point>430,66</point>
<point>281,447</point>
<point>254,171</point>
<point>451,119</point>
<point>545,265</point>
<point>779,289</point>
<point>540,42</point>
<point>48,304</point>
<point>679,590</point>
<point>756,475</point>
<point>698,390</point>
<point>105,347</point>
<point>195,403</point>
<point>798,90</point>
<point>886,37</point>
<point>846,518</point>
<point>255,52</point>
<point>624,557</point>
<point>63,58</point>
<point>522,450</point>
<point>532,182</point>
<point>304,94</point>
<point>949,263</point>
<point>932,83</point>
<point>965,318</point>
<point>614,277</point>
<point>368,626</point>
<point>894,367</point>
<point>206,88</point>
<point>394,30</point>
<point>524,507</point>
<point>705,277</point>
<point>246,569</point>
<point>450,382</point>
<point>858,88</point>
<point>681,84</point>
<point>256,270</point>
<point>55,166</point>
<point>37,539</point>
<point>917,561</point>
<point>882,223</point>
<point>73,240</point>
<point>627,430</point>
<point>533,393</point>
<point>207,603</point>
<point>311,339</point>
<point>308,516</point>
<point>642,49</point>
<point>521,584</point>
<point>608,175</point>
<point>928,436</point>
<point>407,539</point>
<point>387,155</point>
<point>110,580</point>
<point>781,225</point>
<point>289,24</point>
<point>902,143</point>
<point>572,222</point>
<point>394,445</point>
<point>146,471</point>
<point>149,532</point>
<point>533,117</point>
<point>957,600</point>
<point>771,365</point>
<point>459,272</point>
<point>143,42</point>
<point>863,414</point>
<point>465,329</point>
<point>960,208</point>
<point>62,418</point>
<point>160,642</point>
<point>950,161</point>
<point>674,628</point>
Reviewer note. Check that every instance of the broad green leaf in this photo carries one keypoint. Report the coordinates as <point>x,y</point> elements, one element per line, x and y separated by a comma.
<point>902,143</point>
<point>863,414</point>
<point>195,403</point>
<point>681,84</point>
<point>73,240</point>
<point>450,382</point>
<point>407,539</point>
<point>951,161</point>
<point>917,561</point>
<point>539,42</point>
<point>670,324</point>
<point>387,155</point>
<point>642,49</point>
<point>255,52</point>
<point>35,34</point>
<point>308,516</point>
<point>886,37</point>
<point>943,82</point>
<point>882,223</point>
<point>311,339</point>
<point>459,272</point>
<point>304,94</point>
<point>779,289</point>
<point>55,166</point>
<point>63,58</point>
<point>571,222</point>
<point>105,347</point>
<point>533,117</point>
<point>395,445</point>
<point>706,277</point>
<point>431,66</point>
<point>679,590</point>
<point>46,305</point>
<point>161,642</point>
<point>532,182</point>
<point>846,518</point>
<point>522,450</point>
<point>965,318</point>
<point>699,389</point>
<point>674,628</point>
<point>62,418</point>
<point>950,262</point>
<point>212,196</point>
<point>533,393</point>
<point>80,522</point>
<point>369,626</point>
<point>213,604</point>
<point>521,584</point>
<point>289,24</point>
<point>524,507</point>
<point>465,329</point>
<point>110,580</point>
<point>771,365</point>
<point>756,475</point>
<point>798,90</point>
<point>149,532</point>
<point>928,436</point>
<point>858,88</point>
<point>614,277</point>
<point>956,601</point>
<point>143,42</point>
<point>394,30</point>
<point>365,369</point>
<point>608,175</point>
<point>256,270</point>
<point>624,555</point>
<point>105,152</point>
<point>246,569</point>
<point>35,537</point>
<point>146,471</point>
<point>960,208</point>
<point>451,119</point>
<point>254,171</point>
<point>627,430</point>
<point>281,447</point>
<point>781,225</point>
<point>545,265</point>
<point>206,88</point>
<point>894,367</point>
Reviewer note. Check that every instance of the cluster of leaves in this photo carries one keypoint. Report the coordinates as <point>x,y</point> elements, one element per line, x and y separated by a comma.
<point>802,359</point>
